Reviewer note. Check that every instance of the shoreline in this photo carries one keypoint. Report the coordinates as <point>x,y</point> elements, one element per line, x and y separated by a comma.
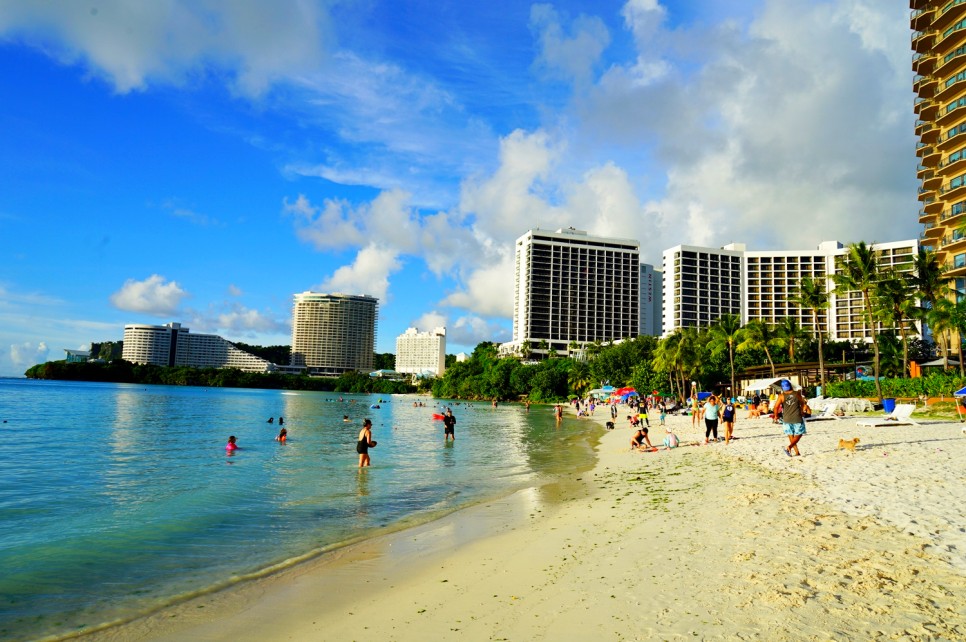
<point>709,541</point>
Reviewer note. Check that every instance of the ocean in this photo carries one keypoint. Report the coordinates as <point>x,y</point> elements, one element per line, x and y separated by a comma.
<point>117,499</point>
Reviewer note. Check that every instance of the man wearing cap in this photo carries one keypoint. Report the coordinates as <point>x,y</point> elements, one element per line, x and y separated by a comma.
<point>792,403</point>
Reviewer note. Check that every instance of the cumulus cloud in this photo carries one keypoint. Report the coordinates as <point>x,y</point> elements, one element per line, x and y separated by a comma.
<point>471,330</point>
<point>24,355</point>
<point>367,274</point>
<point>429,320</point>
<point>154,295</point>
<point>173,41</point>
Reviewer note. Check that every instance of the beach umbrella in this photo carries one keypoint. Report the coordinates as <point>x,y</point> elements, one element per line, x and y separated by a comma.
<point>626,390</point>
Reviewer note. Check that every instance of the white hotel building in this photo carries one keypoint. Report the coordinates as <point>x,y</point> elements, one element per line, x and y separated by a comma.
<point>421,352</point>
<point>173,345</point>
<point>574,287</point>
<point>701,284</point>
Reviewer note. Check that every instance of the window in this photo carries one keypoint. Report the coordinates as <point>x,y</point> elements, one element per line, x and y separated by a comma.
<point>959,261</point>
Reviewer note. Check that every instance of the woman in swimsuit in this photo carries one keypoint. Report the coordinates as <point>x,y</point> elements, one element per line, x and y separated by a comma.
<point>282,435</point>
<point>364,443</point>
<point>231,446</point>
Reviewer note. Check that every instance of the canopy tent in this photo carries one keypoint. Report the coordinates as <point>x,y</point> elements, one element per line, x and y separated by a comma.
<point>763,384</point>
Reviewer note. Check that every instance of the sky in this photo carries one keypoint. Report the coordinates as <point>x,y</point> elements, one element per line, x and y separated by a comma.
<point>203,161</point>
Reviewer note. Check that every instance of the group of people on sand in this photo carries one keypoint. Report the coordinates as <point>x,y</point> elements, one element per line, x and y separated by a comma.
<point>791,409</point>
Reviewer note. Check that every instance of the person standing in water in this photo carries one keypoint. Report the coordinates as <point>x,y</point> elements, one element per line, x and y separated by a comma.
<point>364,443</point>
<point>449,425</point>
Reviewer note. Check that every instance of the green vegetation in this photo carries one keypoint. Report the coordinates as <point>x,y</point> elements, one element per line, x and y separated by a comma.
<point>120,371</point>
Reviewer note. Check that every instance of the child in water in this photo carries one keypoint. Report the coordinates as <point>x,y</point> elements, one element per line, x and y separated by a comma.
<point>231,446</point>
<point>282,435</point>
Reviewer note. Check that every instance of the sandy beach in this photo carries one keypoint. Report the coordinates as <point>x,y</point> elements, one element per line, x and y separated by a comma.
<point>704,541</point>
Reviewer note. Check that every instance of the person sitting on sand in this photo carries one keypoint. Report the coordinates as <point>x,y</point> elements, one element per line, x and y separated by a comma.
<point>753,412</point>
<point>639,439</point>
<point>670,440</point>
<point>282,435</point>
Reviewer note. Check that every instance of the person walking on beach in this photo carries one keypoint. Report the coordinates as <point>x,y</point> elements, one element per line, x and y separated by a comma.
<point>710,413</point>
<point>792,403</point>
<point>558,412</point>
<point>695,410</point>
<point>449,426</point>
<point>364,443</point>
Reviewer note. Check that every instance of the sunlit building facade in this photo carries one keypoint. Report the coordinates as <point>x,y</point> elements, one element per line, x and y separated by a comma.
<point>572,289</point>
<point>939,63</point>
<point>421,352</point>
<point>173,345</point>
<point>334,333</point>
<point>702,284</point>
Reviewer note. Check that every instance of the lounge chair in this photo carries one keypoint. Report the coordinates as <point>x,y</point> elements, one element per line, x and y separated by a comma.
<point>902,415</point>
<point>828,412</point>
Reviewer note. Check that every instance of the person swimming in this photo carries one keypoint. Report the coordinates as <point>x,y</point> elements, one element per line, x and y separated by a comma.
<point>282,435</point>
<point>231,446</point>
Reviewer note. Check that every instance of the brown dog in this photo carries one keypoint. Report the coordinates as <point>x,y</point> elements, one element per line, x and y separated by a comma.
<point>848,444</point>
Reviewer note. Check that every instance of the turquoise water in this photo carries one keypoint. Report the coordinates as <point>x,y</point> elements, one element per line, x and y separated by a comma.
<point>116,499</point>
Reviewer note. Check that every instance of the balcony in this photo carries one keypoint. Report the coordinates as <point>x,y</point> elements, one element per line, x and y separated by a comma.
<point>953,112</point>
<point>915,5</point>
<point>949,64</point>
<point>928,132</point>
<point>953,216</point>
<point>926,108</point>
<point>953,165</point>
<point>950,140</point>
<point>930,181</point>
<point>953,12</point>
<point>932,231</point>
<point>922,41</point>
<point>922,18</point>
<point>931,155</point>
<point>953,191</point>
<point>925,86</point>
<point>927,219</point>
<point>953,243</point>
<point>954,39</point>
<point>924,63</point>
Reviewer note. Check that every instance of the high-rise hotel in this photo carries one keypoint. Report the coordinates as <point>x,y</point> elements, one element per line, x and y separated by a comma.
<point>333,333</point>
<point>571,287</point>
<point>939,62</point>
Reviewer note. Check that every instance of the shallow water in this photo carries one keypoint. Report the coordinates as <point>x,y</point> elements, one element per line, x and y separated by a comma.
<point>116,499</point>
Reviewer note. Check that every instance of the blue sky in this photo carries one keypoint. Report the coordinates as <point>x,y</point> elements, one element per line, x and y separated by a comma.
<point>203,161</point>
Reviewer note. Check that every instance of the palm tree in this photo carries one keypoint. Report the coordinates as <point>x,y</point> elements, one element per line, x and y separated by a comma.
<point>957,319</point>
<point>758,335</point>
<point>572,347</point>
<point>860,273</point>
<point>896,308</point>
<point>726,333</point>
<point>928,278</point>
<point>939,318</point>
<point>790,330</point>
<point>526,349</point>
<point>544,346</point>
<point>813,295</point>
<point>579,378</point>
<point>663,359</point>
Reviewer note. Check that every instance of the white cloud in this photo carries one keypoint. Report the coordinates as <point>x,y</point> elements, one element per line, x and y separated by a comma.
<point>234,290</point>
<point>471,330</point>
<point>154,295</point>
<point>574,55</point>
<point>24,355</point>
<point>368,273</point>
<point>429,320</point>
<point>173,41</point>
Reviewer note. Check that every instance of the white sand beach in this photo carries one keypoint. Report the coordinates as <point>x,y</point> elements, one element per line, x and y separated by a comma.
<point>707,542</point>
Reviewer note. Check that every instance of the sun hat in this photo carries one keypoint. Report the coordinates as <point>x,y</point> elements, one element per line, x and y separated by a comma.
<point>786,385</point>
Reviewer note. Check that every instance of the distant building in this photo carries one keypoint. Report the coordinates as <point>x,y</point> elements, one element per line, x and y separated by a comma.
<point>421,352</point>
<point>573,288</point>
<point>652,299</point>
<point>173,345</point>
<point>77,356</point>
<point>334,333</point>
<point>461,357</point>
<point>702,284</point>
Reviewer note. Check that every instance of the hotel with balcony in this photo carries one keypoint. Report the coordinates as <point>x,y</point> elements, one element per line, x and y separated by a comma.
<point>702,284</point>
<point>939,64</point>
<point>333,333</point>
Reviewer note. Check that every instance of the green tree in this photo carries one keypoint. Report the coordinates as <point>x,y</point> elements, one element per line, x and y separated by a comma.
<point>759,335</point>
<point>859,272</point>
<point>896,306</point>
<point>813,295</point>
<point>579,378</point>
<point>726,334</point>
<point>792,332</point>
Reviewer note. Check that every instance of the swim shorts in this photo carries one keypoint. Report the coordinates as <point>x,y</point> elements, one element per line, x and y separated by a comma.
<point>794,429</point>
